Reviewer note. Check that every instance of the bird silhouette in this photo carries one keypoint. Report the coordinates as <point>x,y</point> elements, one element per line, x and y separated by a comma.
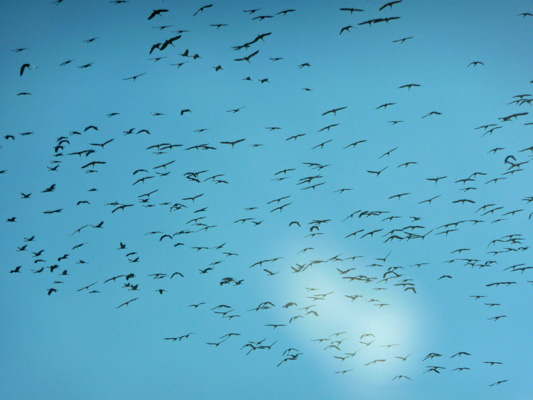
<point>25,67</point>
<point>248,57</point>
<point>157,12</point>
<point>201,9</point>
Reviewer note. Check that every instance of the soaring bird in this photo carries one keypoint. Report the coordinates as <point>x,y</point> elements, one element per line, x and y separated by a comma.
<point>49,189</point>
<point>389,4</point>
<point>233,143</point>
<point>352,10</point>
<point>334,110</point>
<point>377,173</point>
<point>432,113</point>
<point>402,40</point>
<point>201,9</point>
<point>127,302</point>
<point>248,57</point>
<point>384,106</point>
<point>156,12</point>
<point>409,86</point>
<point>25,67</point>
<point>285,12</point>
<point>133,78</point>
<point>90,40</point>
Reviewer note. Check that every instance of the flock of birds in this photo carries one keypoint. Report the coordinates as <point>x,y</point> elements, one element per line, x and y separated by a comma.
<point>81,153</point>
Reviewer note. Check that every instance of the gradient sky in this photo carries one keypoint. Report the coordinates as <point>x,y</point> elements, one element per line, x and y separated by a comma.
<point>414,326</point>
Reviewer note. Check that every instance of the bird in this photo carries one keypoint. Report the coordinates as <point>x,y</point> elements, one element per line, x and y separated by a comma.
<point>334,110</point>
<point>233,143</point>
<point>248,57</point>
<point>102,145</point>
<point>432,113</point>
<point>328,127</point>
<point>351,10</point>
<point>121,207</point>
<point>90,40</point>
<point>498,382</point>
<point>134,77</point>
<point>127,303</point>
<point>201,9</point>
<point>390,4</point>
<point>388,153</point>
<point>409,86</point>
<point>262,17</point>
<point>157,12</point>
<point>345,29</point>
<point>461,353</point>
<point>496,318</point>
<point>285,12</point>
<point>436,179</point>
<point>354,144</point>
<point>401,377</point>
<point>402,40</point>
<point>49,189</point>
<point>492,363</point>
<point>25,67</point>
<point>377,173</point>
<point>86,287</point>
<point>385,105</point>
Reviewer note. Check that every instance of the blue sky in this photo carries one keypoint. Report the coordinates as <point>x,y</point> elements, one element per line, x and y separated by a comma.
<point>414,283</point>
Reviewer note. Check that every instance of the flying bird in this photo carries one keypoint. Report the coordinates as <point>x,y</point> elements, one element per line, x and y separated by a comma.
<point>233,143</point>
<point>351,10</point>
<point>334,111</point>
<point>25,67</point>
<point>157,12</point>
<point>201,9</point>
<point>390,4</point>
<point>409,86</point>
<point>133,78</point>
<point>127,303</point>
<point>346,29</point>
<point>402,40</point>
<point>248,57</point>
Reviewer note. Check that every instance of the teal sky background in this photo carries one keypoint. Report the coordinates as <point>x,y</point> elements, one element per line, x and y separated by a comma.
<point>414,281</point>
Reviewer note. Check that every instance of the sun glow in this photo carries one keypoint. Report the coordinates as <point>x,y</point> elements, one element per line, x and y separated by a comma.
<point>372,336</point>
